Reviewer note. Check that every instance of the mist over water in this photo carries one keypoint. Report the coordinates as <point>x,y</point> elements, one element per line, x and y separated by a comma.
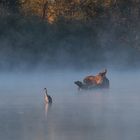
<point>28,44</point>
<point>35,54</point>
<point>96,114</point>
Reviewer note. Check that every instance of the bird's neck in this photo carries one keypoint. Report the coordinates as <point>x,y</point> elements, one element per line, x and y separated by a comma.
<point>46,92</point>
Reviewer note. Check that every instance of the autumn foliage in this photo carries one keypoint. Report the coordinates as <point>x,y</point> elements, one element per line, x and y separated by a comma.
<point>83,10</point>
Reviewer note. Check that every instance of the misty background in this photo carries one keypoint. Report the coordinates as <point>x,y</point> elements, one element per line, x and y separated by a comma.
<point>109,38</point>
<point>52,43</point>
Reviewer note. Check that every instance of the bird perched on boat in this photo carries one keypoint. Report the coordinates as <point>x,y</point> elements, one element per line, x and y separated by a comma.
<point>99,81</point>
<point>47,97</point>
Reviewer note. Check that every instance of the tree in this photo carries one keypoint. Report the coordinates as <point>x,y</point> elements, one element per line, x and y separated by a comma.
<point>84,10</point>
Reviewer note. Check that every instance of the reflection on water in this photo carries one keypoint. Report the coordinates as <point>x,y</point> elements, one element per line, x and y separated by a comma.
<point>94,115</point>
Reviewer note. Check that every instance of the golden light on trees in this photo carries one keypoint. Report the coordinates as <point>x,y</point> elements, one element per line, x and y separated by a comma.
<point>52,10</point>
<point>41,8</point>
<point>107,3</point>
<point>31,7</point>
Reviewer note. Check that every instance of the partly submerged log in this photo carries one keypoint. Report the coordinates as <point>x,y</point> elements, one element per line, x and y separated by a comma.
<point>99,81</point>
<point>103,85</point>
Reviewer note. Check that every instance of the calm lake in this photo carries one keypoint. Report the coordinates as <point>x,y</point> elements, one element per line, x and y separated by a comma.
<point>112,114</point>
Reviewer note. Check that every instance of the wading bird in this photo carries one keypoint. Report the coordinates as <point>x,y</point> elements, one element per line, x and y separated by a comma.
<point>47,97</point>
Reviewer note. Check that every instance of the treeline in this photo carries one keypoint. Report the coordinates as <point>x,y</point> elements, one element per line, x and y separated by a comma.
<point>53,10</point>
<point>81,34</point>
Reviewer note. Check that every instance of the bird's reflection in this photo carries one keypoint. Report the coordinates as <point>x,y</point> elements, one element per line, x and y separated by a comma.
<point>47,109</point>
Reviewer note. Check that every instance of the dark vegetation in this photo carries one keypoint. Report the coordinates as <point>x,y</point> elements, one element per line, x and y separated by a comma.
<point>108,36</point>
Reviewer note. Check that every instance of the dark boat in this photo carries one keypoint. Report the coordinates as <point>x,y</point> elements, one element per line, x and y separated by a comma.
<point>100,81</point>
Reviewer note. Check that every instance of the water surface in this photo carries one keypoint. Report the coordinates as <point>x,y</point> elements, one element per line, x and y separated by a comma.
<point>112,114</point>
